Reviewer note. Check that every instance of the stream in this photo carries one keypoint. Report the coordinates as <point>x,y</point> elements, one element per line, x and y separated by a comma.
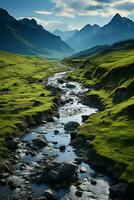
<point>26,181</point>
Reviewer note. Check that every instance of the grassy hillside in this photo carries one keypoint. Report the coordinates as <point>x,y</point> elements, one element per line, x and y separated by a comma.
<point>22,95</point>
<point>110,77</point>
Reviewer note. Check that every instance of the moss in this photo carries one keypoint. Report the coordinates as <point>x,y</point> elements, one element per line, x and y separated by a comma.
<point>111,131</point>
<point>22,93</point>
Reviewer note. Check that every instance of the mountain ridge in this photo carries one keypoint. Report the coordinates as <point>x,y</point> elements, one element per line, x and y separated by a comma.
<point>27,37</point>
<point>118,29</point>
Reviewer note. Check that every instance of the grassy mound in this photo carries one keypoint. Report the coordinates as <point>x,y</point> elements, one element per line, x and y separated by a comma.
<point>22,94</point>
<point>110,75</point>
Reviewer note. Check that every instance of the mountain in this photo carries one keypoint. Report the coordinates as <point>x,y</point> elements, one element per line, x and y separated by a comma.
<point>127,44</point>
<point>80,38</point>
<point>27,37</point>
<point>65,35</point>
<point>90,52</point>
<point>118,29</point>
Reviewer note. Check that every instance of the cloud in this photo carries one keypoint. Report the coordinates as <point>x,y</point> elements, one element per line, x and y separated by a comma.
<point>43,12</point>
<point>127,6</point>
<point>102,8</point>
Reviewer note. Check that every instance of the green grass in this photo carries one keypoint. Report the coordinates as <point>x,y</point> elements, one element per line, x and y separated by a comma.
<point>22,95</point>
<point>112,130</point>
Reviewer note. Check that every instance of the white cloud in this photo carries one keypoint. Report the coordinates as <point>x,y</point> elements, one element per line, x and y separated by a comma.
<point>43,12</point>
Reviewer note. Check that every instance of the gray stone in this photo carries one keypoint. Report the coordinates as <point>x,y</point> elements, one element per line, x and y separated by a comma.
<point>71,126</point>
<point>49,194</point>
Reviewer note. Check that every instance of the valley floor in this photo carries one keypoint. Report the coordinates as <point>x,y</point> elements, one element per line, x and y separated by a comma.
<point>110,78</point>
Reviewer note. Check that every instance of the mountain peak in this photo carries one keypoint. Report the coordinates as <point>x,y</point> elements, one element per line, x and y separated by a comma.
<point>116,18</point>
<point>4,14</point>
<point>29,22</point>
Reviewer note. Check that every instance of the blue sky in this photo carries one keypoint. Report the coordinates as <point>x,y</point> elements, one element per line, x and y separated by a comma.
<point>69,14</point>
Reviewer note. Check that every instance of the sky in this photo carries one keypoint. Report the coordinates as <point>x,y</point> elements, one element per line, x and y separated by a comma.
<point>68,14</point>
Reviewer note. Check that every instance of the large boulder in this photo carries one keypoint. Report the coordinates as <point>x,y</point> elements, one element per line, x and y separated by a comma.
<point>60,172</point>
<point>71,126</point>
<point>11,143</point>
<point>93,101</point>
<point>39,142</point>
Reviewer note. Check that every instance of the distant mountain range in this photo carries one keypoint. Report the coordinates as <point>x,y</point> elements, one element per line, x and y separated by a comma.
<point>127,45</point>
<point>27,37</point>
<point>118,29</point>
<point>65,35</point>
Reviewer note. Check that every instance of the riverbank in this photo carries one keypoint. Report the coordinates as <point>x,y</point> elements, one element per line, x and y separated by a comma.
<point>45,164</point>
<point>24,98</point>
<point>109,77</point>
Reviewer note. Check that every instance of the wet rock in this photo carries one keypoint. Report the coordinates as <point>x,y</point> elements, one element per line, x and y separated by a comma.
<point>93,181</point>
<point>118,191</point>
<point>60,172</point>
<point>71,126</point>
<point>84,117</point>
<point>83,170</point>
<point>42,198</point>
<point>55,142</point>
<point>62,148</point>
<point>93,100</point>
<point>56,132</point>
<point>49,195</point>
<point>12,143</point>
<point>61,81</point>
<point>4,175</point>
<point>78,160</point>
<point>73,135</point>
<point>40,143</point>
<point>3,182</point>
<point>79,193</point>
<point>70,86</point>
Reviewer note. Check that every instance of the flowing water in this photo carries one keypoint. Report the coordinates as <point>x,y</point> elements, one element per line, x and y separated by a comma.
<point>28,164</point>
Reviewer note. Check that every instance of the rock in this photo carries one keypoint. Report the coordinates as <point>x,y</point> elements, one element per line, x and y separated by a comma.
<point>42,198</point>
<point>118,191</point>
<point>3,182</point>
<point>49,195</point>
<point>78,160</point>
<point>83,170</point>
<point>94,101</point>
<point>71,126</point>
<point>11,143</point>
<point>70,86</point>
<point>79,193</point>
<point>62,148</point>
<point>40,143</point>
<point>61,81</point>
<point>56,132</point>
<point>4,175</point>
<point>93,182</point>
<point>60,172</point>
<point>84,117</point>
<point>55,142</point>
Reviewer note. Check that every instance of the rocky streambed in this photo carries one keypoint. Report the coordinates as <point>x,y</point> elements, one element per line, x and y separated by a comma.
<point>45,165</point>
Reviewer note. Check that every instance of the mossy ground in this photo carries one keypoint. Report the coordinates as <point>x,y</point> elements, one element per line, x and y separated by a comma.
<point>21,92</point>
<point>112,130</point>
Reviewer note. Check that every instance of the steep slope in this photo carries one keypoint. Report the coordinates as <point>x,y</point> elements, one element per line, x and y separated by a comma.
<point>23,97</point>
<point>110,77</point>
<point>118,29</point>
<point>80,38</point>
<point>65,35</point>
<point>27,37</point>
